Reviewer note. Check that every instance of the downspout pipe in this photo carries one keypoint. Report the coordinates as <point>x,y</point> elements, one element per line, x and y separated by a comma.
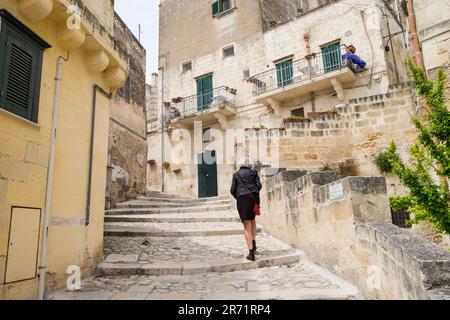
<point>50,174</point>
<point>415,42</point>
<point>96,89</point>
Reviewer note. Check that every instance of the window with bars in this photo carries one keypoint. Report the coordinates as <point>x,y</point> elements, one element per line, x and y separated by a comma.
<point>187,66</point>
<point>21,55</point>
<point>228,52</point>
<point>220,6</point>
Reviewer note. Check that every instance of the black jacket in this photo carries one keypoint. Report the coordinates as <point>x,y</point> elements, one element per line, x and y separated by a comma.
<point>249,178</point>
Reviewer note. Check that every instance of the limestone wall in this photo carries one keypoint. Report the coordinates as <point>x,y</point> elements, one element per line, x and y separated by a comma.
<point>127,148</point>
<point>344,225</point>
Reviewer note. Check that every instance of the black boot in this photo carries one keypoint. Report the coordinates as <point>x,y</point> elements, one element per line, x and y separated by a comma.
<point>251,255</point>
<point>254,246</point>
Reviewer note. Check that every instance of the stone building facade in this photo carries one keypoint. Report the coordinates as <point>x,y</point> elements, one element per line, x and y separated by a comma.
<point>127,150</point>
<point>258,66</point>
<point>43,36</point>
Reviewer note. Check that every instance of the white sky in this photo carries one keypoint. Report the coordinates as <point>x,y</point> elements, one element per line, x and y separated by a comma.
<point>145,13</point>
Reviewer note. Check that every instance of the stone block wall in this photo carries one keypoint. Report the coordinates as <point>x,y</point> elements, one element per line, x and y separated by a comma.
<point>351,234</point>
<point>357,132</point>
<point>127,150</point>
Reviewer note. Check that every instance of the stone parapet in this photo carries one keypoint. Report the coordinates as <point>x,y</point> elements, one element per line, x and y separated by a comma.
<point>345,225</point>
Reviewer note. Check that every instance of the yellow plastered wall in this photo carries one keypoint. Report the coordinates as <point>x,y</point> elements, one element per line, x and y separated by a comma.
<point>24,154</point>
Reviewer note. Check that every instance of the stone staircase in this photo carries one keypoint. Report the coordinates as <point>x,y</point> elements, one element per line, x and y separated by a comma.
<point>175,219</point>
<point>163,246</point>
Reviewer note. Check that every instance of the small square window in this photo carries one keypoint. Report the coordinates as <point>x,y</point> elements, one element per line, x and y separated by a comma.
<point>187,66</point>
<point>300,112</point>
<point>221,6</point>
<point>228,52</point>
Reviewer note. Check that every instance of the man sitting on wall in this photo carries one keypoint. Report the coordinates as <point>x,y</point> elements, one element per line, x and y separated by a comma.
<point>354,62</point>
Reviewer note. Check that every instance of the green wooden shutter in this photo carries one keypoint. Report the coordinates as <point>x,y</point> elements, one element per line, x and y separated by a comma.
<point>331,57</point>
<point>204,92</point>
<point>216,8</point>
<point>21,70</point>
<point>285,73</point>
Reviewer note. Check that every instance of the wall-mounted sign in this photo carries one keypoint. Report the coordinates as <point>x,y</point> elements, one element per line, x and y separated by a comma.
<point>336,191</point>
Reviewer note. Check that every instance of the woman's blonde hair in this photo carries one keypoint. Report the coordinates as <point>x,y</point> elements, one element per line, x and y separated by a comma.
<point>245,162</point>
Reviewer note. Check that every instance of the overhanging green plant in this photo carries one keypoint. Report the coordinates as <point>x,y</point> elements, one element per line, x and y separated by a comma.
<point>382,162</point>
<point>428,172</point>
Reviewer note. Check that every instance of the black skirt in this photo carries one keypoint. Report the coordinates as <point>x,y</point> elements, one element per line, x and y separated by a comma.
<point>246,205</point>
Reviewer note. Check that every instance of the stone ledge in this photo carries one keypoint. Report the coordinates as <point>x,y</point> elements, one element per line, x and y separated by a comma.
<point>425,264</point>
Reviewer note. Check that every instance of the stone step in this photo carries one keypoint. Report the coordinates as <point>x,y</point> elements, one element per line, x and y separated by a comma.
<point>115,265</point>
<point>192,249</point>
<point>182,200</point>
<point>145,229</point>
<point>151,204</point>
<point>194,209</point>
<point>296,295</point>
<point>176,218</point>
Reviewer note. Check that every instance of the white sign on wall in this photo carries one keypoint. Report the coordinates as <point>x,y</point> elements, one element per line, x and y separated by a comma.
<point>336,191</point>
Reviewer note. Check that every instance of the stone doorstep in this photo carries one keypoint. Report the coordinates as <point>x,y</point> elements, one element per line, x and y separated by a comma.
<point>172,234</point>
<point>150,204</point>
<point>170,220</point>
<point>183,200</point>
<point>303,294</point>
<point>181,269</point>
<point>131,211</point>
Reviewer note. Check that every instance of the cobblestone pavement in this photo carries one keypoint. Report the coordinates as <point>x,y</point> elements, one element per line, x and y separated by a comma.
<point>286,280</point>
<point>191,249</point>
<point>291,282</point>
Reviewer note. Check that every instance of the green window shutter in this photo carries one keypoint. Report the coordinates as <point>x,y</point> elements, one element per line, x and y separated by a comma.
<point>20,68</point>
<point>285,73</point>
<point>204,92</point>
<point>332,57</point>
<point>216,8</point>
<point>20,75</point>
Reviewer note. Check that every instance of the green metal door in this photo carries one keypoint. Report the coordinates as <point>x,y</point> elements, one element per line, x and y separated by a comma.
<point>204,92</point>
<point>207,175</point>
<point>285,73</point>
<point>332,57</point>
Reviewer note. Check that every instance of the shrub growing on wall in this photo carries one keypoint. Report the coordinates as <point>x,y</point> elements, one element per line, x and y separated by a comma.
<point>428,172</point>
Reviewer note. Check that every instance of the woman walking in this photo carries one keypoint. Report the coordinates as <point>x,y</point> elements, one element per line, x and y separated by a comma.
<point>245,189</point>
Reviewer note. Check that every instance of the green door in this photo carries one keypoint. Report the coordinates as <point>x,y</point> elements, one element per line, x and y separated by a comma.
<point>284,73</point>
<point>332,57</point>
<point>207,175</point>
<point>204,92</point>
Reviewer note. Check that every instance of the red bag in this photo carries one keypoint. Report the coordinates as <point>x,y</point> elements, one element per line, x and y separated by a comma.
<point>257,207</point>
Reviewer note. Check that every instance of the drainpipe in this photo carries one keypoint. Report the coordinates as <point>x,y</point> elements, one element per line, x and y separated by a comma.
<point>91,151</point>
<point>162,129</point>
<point>417,49</point>
<point>50,173</point>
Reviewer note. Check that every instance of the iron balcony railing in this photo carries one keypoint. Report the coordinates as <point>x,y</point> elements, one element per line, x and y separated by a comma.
<point>202,103</point>
<point>293,72</point>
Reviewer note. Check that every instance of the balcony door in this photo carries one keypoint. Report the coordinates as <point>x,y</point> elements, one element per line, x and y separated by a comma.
<point>285,73</point>
<point>332,59</point>
<point>204,92</point>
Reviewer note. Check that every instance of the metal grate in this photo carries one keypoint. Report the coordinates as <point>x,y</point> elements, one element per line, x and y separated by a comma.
<point>401,218</point>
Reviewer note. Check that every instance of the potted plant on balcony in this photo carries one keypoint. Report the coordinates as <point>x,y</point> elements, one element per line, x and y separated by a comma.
<point>232,90</point>
<point>151,162</point>
<point>177,100</point>
<point>329,112</point>
<point>166,165</point>
<point>177,171</point>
